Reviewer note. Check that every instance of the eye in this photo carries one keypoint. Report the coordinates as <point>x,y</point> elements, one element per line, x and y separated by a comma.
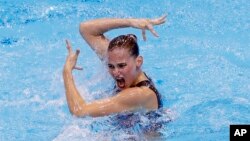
<point>111,66</point>
<point>122,65</point>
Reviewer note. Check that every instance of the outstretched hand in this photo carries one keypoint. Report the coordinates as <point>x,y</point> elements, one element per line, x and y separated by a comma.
<point>147,24</point>
<point>71,58</point>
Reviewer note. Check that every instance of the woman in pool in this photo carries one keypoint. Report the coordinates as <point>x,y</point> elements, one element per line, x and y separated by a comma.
<point>135,91</point>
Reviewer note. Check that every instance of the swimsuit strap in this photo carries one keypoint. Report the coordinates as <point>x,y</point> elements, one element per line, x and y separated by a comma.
<point>149,84</point>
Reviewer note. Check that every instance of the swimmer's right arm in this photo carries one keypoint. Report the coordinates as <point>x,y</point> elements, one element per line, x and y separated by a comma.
<point>129,99</point>
<point>93,31</point>
<point>74,99</point>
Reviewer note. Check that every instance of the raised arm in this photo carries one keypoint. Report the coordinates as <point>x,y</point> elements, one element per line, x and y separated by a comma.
<point>129,99</point>
<point>73,97</point>
<point>93,31</point>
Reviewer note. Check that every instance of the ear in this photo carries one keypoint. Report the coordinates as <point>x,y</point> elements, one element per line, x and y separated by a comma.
<point>139,61</point>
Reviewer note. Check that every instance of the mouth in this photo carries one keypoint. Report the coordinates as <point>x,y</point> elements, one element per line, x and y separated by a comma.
<point>120,82</point>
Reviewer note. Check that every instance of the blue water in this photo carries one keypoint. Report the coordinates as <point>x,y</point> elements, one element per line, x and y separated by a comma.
<point>200,63</point>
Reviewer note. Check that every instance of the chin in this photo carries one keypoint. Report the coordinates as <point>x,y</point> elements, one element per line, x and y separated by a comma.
<point>122,88</point>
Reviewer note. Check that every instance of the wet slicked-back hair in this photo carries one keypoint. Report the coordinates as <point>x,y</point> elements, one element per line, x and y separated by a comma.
<point>128,41</point>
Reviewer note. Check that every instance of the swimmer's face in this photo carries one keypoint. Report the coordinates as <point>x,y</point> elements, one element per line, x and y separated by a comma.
<point>123,67</point>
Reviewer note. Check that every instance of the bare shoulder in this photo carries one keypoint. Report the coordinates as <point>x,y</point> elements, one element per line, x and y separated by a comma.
<point>138,97</point>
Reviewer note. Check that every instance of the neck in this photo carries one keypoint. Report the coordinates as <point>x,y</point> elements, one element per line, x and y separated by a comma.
<point>140,77</point>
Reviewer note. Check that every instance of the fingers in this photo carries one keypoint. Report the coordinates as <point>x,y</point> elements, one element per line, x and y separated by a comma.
<point>158,21</point>
<point>72,57</point>
<point>78,68</point>
<point>163,17</point>
<point>154,33</point>
<point>76,56</point>
<point>151,29</point>
<point>77,52</point>
<point>68,46</point>
<point>151,23</point>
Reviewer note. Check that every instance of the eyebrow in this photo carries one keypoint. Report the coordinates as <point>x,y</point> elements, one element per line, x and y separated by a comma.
<point>123,63</point>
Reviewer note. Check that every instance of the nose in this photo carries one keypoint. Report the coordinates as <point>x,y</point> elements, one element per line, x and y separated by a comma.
<point>116,72</point>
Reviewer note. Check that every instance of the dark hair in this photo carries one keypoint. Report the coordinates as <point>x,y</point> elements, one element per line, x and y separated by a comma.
<point>128,41</point>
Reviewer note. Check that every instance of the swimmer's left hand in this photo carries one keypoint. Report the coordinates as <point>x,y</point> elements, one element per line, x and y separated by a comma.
<point>147,24</point>
<point>71,58</point>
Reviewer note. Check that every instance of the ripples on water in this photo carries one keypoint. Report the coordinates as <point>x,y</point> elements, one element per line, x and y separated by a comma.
<point>203,71</point>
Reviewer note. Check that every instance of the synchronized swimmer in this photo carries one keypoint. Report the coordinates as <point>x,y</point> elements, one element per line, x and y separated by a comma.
<point>134,89</point>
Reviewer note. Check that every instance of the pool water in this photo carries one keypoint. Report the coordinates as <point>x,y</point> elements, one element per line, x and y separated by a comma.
<point>200,64</point>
